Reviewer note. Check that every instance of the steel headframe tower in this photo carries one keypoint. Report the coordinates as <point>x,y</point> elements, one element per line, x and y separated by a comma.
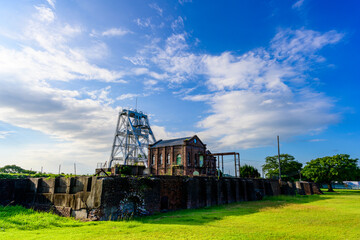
<point>131,138</point>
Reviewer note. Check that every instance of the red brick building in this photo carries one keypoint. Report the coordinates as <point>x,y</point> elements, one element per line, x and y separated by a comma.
<point>182,156</point>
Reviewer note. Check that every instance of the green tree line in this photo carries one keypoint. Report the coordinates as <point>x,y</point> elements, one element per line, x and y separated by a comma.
<point>323,170</point>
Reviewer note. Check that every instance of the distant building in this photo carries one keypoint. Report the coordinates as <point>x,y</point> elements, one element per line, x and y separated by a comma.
<point>182,156</point>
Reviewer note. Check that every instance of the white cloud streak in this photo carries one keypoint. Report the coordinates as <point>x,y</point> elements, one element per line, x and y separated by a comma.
<point>146,22</point>
<point>45,14</point>
<point>182,2</point>
<point>51,3</point>
<point>127,96</point>
<point>157,8</point>
<point>115,32</point>
<point>4,134</point>
<point>298,4</point>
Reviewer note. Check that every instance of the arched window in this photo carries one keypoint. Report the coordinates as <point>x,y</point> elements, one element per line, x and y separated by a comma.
<point>178,159</point>
<point>196,160</point>
<point>201,160</point>
<point>188,159</point>
<point>168,159</point>
<point>161,159</point>
<point>153,160</point>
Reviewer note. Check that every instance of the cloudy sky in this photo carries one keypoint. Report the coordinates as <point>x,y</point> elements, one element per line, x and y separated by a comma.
<point>236,73</point>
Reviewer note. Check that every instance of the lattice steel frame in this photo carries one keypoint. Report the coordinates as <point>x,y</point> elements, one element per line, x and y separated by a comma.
<point>132,138</point>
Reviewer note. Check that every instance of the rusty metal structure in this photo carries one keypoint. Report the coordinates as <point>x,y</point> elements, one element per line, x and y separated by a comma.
<point>132,137</point>
<point>236,161</point>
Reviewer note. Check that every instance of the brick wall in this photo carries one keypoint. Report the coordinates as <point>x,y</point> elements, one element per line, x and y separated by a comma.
<point>114,198</point>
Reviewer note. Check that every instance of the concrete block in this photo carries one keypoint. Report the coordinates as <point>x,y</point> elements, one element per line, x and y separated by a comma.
<point>63,211</point>
<point>275,186</point>
<point>307,188</point>
<point>316,189</point>
<point>79,214</point>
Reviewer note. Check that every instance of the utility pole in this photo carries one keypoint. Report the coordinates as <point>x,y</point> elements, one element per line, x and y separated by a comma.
<point>278,142</point>
<point>222,163</point>
<point>239,166</point>
<point>75,169</point>
<point>218,162</point>
<point>59,168</point>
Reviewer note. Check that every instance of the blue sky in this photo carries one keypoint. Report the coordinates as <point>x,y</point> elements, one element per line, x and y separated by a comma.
<point>236,73</point>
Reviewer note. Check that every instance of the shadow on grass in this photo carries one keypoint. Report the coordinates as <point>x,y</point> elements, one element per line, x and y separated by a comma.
<point>208,214</point>
<point>26,219</point>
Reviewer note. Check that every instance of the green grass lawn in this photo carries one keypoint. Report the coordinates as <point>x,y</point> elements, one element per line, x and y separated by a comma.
<point>329,216</point>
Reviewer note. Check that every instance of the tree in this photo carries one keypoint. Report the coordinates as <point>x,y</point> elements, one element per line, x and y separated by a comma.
<point>357,177</point>
<point>289,167</point>
<point>15,169</point>
<point>248,171</point>
<point>339,167</point>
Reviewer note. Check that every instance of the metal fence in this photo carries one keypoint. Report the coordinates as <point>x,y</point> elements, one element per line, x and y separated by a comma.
<point>345,185</point>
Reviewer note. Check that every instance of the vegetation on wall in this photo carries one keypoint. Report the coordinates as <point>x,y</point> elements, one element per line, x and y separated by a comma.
<point>14,171</point>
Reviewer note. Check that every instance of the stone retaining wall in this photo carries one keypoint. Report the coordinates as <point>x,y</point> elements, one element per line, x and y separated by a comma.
<point>113,198</point>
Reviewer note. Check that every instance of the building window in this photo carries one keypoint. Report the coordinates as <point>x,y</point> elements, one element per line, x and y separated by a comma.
<point>178,159</point>
<point>153,160</point>
<point>196,160</point>
<point>161,159</point>
<point>195,140</point>
<point>188,159</point>
<point>201,160</point>
<point>168,159</point>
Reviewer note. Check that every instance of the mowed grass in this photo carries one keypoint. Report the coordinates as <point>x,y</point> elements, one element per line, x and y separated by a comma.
<point>328,216</point>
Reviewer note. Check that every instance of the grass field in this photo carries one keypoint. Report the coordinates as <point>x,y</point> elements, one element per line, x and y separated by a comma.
<point>329,216</point>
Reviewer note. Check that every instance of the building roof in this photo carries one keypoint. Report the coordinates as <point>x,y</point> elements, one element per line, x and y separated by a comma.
<point>170,142</point>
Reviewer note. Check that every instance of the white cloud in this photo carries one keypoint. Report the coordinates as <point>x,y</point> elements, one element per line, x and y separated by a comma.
<point>4,134</point>
<point>179,64</point>
<point>143,22</point>
<point>127,96</point>
<point>51,3</point>
<point>157,8</point>
<point>80,122</point>
<point>240,118</point>
<point>257,95</point>
<point>138,60</point>
<point>161,133</point>
<point>251,70</point>
<point>300,45</point>
<point>145,71</point>
<point>99,50</point>
<point>45,55</point>
<point>150,83</point>
<point>101,95</point>
<point>115,32</point>
<point>264,95</point>
<point>317,140</point>
<point>184,1</point>
<point>298,4</point>
<point>178,24</point>
<point>251,97</point>
<point>38,65</point>
<point>45,14</point>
